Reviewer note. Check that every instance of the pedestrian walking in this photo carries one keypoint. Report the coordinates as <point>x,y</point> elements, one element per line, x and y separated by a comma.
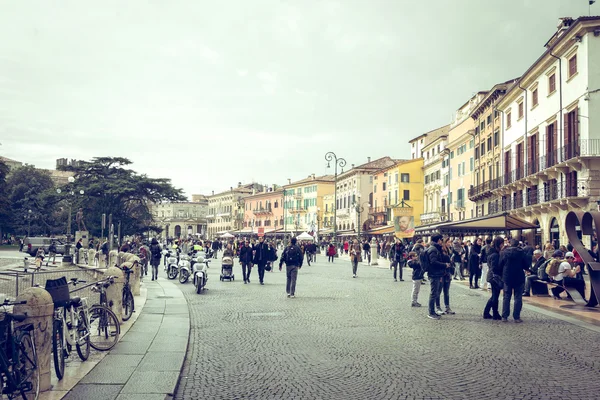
<point>246,260</point>
<point>458,254</point>
<point>446,280</point>
<point>155,256</point>
<point>475,264</point>
<point>367,250</point>
<point>397,258</point>
<point>331,252</point>
<point>261,257</point>
<point>514,264</point>
<point>484,264</point>
<point>292,257</point>
<point>494,277</point>
<point>355,257</point>
<point>52,253</point>
<point>436,269</point>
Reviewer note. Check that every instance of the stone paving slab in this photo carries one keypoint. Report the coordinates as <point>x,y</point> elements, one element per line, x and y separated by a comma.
<point>147,361</point>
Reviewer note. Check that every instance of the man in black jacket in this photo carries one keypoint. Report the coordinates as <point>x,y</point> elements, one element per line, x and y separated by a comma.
<point>292,257</point>
<point>246,260</point>
<point>261,257</point>
<point>435,271</point>
<point>532,274</point>
<point>513,263</point>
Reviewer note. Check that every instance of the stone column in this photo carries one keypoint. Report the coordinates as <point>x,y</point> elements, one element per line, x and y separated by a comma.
<point>40,313</point>
<point>92,257</point>
<point>114,293</point>
<point>112,258</point>
<point>81,258</point>
<point>374,252</point>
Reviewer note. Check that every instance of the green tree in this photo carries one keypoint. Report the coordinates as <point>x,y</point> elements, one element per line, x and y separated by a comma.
<point>5,214</point>
<point>112,188</point>
<point>27,191</point>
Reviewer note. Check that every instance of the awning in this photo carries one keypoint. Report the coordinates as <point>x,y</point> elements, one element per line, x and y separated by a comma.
<point>348,232</point>
<point>381,230</point>
<point>487,224</point>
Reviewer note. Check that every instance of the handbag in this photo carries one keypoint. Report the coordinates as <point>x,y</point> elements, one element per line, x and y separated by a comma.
<point>497,281</point>
<point>268,267</point>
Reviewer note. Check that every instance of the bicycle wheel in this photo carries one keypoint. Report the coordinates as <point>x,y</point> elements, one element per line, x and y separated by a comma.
<point>127,304</point>
<point>58,348</point>
<point>104,328</point>
<point>82,342</point>
<point>27,367</point>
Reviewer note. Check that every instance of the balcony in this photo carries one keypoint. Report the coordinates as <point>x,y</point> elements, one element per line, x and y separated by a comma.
<point>560,193</point>
<point>343,212</point>
<point>378,210</point>
<point>262,211</point>
<point>296,210</point>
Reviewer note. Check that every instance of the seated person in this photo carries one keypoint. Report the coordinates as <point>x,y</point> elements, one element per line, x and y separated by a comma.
<point>567,277</point>
<point>532,274</point>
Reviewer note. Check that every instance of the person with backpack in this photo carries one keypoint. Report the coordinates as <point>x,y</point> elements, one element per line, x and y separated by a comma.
<point>155,256</point>
<point>514,264</point>
<point>431,262</point>
<point>292,257</point>
<point>566,275</point>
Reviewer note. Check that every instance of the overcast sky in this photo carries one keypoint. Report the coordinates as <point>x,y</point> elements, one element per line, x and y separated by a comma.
<point>209,93</point>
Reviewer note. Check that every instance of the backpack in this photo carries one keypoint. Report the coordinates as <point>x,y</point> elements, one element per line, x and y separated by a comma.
<point>552,267</point>
<point>293,256</point>
<point>424,260</point>
<point>541,272</point>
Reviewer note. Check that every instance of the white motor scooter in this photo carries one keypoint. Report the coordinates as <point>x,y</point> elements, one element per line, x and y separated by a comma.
<point>185,268</point>
<point>201,273</point>
<point>171,266</point>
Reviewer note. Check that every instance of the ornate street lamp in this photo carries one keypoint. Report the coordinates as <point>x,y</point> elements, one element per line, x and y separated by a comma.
<point>359,209</point>
<point>331,156</point>
<point>70,196</point>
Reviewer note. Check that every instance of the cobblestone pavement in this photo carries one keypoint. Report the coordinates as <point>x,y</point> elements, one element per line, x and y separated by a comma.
<point>345,338</point>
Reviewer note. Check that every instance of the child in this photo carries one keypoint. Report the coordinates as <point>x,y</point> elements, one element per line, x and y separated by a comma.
<point>417,276</point>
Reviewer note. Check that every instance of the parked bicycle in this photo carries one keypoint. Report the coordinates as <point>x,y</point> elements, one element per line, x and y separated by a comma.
<point>104,324</point>
<point>128,303</point>
<point>19,371</point>
<point>71,323</point>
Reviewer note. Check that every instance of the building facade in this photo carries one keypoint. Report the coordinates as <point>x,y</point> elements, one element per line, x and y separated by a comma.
<point>180,220</point>
<point>263,211</point>
<point>461,159</point>
<point>303,201</point>
<point>551,133</point>
<point>355,190</point>
<point>434,170</point>
<point>226,209</point>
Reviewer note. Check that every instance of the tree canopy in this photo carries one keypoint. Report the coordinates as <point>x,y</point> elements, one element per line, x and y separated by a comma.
<point>110,187</point>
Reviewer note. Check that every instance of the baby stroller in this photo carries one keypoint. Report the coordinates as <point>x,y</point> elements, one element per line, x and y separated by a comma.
<point>227,269</point>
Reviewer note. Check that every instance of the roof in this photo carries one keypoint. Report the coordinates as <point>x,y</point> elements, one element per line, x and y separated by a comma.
<point>312,178</point>
<point>496,91</point>
<point>369,167</point>
<point>6,159</point>
<point>398,162</point>
<point>486,224</point>
<point>276,192</point>
<point>381,230</point>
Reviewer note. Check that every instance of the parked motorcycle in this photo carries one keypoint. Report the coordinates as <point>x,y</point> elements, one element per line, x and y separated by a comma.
<point>185,268</point>
<point>201,274</point>
<point>171,267</point>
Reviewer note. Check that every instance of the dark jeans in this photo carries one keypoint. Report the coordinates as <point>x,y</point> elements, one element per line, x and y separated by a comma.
<point>446,289</point>
<point>354,266</point>
<point>395,266</point>
<point>436,286</point>
<point>517,292</point>
<point>528,282</point>
<point>330,258</point>
<point>261,270</point>
<point>291,272</point>
<point>246,269</point>
<point>492,303</point>
<point>474,276</point>
<point>578,284</point>
<point>368,255</point>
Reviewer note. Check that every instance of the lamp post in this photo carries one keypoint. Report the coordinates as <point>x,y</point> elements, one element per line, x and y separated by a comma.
<point>67,257</point>
<point>331,156</point>
<point>359,209</point>
<point>29,223</point>
<point>318,229</point>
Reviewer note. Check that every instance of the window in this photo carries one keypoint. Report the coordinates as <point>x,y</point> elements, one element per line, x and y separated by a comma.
<point>496,113</point>
<point>520,115</point>
<point>396,196</point>
<point>572,65</point>
<point>489,119</point>
<point>396,177</point>
<point>459,169</point>
<point>471,162</point>
<point>375,188</point>
<point>496,138</point>
<point>384,186</point>
<point>471,143</point>
<point>463,168</point>
<point>552,84</point>
<point>477,153</point>
<point>405,178</point>
<point>489,143</point>
<point>451,155</point>
<point>508,119</point>
<point>534,97</point>
<point>482,126</point>
<point>407,195</point>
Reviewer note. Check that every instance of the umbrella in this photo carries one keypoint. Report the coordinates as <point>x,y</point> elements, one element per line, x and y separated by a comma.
<point>305,236</point>
<point>227,236</point>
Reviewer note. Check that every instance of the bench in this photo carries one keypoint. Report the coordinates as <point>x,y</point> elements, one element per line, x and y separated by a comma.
<point>540,288</point>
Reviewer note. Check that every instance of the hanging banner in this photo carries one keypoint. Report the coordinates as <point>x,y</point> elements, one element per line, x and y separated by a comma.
<point>404,222</point>
<point>261,231</point>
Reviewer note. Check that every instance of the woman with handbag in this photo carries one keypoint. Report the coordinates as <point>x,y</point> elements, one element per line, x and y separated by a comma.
<point>446,280</point>
<point>494,277</point>
<point>355,256</point>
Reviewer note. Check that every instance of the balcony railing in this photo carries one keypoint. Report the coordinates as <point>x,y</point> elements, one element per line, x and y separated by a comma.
<point>296,210</point>
<point>262,211</point>
<point>584,148</point>
<point>378,210</point>
<point>550,192</point>
<point>433,217</point>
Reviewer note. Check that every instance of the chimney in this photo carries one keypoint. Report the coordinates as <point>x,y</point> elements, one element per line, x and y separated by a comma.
<point>213,192</point>
<point>313,177</point>
<point>289,181</point>
<point>239,184</point>
<point>352,166</point>
<point>368,159</point>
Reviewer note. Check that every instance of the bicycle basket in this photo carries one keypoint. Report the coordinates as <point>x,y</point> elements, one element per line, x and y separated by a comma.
<point>59,290</point>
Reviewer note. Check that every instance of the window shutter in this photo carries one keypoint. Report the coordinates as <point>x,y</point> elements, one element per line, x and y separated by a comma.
<point>576,128</point>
